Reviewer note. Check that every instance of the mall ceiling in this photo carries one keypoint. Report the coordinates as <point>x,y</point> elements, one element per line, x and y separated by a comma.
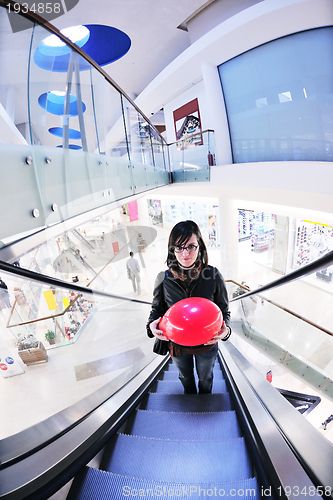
<point>159,32</point>
<point>152,27</point>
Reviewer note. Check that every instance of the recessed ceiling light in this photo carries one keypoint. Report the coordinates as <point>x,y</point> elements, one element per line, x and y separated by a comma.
<point>77,34</point>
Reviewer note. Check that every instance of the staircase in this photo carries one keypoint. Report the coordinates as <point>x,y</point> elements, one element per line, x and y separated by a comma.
<point>174,445</point>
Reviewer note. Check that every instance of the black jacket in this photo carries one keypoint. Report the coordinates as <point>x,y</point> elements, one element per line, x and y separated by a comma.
<point>169,290</point>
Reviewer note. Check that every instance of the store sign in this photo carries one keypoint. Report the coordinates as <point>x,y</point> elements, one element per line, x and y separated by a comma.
<point>9,366</point>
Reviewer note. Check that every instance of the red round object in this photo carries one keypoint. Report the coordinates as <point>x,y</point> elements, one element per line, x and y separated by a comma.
<point>192,321</point>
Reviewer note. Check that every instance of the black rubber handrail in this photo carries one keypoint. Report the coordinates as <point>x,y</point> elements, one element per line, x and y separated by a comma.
<point>324,261</point>
<point>320,263</point>
<point>289,311</point>
<point>47,280</point>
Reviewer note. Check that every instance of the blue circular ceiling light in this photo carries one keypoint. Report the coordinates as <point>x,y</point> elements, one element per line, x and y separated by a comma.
<point>59,132</point>
<point>71,146</point>
<point>54,102</point>
<point>54,46</point>
<point>104,44</point>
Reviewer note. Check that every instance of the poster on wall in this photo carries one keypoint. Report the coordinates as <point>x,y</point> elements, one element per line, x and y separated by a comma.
<point>212,230</point>
<point>155,212</point>
<point>133,212</point>
<point>187,122</point>
<point>313,240</point>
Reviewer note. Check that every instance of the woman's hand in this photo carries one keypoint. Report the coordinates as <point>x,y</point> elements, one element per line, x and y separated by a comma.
<point>223,332</point>
<point>155,331</point>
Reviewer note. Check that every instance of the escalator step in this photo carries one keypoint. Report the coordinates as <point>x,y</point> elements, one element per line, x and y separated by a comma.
<point>173,375</point>
<point>173,368</point>
<point>178,461</point>
<point>175,387</point>
<point>186,426</point>
<point>94,484</point>
<point>188,402</point>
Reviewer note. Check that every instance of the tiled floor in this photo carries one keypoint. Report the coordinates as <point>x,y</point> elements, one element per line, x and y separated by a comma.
<point>117,327</point>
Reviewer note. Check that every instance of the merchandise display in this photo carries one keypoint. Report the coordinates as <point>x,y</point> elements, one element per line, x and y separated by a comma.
<point>312,241</point>
<point>245,224</point>
<point>257,226</point>
<point>155,212</point>
<point>204,214</point>
<point>263,231</point>
<point>77,315</point>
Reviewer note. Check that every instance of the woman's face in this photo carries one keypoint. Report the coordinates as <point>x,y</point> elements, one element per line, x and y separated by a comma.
<point>186,257</point>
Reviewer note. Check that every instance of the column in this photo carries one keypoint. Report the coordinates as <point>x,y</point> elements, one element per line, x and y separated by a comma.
<point>10,103</point>
<point>217,113</point>
<point>228,226</point>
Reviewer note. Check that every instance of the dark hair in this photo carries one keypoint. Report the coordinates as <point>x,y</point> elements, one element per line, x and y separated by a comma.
<point>131,254</point>
<point>180,234</point>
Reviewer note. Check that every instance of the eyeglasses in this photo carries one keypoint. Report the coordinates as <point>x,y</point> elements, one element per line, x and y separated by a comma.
<point>189,249</point>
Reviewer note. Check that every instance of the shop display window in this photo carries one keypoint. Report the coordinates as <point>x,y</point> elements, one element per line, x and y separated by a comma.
<point>204,214</point>
<point>245,224</point>
<point>258,227</point>
<point>312,241</point>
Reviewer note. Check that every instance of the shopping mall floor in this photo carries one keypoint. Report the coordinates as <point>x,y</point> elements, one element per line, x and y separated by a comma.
<point>70,373</point>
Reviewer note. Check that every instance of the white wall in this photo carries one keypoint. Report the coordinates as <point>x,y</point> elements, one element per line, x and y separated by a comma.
<point>287,188</point>
<point>254,26</point>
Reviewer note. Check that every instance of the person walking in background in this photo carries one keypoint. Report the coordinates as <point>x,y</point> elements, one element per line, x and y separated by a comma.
<point>133,273</point>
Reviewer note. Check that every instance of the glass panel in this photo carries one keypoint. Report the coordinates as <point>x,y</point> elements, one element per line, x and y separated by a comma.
<point>60,95</point>
<point>96,339</point>
<point>14,80</point>
<point>146,151</point>
<point>191,158</point>
<point>139,137</point>
<point>109,351</point>
<point>109,119</point>
<point>158,150</point>
<point>300,346</point>
<point>278,99</point>
<point>71,130</point>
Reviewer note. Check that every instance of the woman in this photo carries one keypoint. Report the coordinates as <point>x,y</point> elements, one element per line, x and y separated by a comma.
<point>189,275</point>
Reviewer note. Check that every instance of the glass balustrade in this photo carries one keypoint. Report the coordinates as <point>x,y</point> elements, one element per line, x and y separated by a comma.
<point>304,348</point>
<point>192,157</point>
<point>75,144</point>
<point>35,319</point>
<point>92,255</point>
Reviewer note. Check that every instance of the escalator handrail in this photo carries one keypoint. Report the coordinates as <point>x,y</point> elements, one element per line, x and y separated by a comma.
<point>310,268</point>
<point>48,280</point>
<point>289,311</point>
<point>311,449</point>
<point>324,261</point>
<point>47,469</point>
<point>31,275</point>
<point>190,136</point>
<point>35,18</point>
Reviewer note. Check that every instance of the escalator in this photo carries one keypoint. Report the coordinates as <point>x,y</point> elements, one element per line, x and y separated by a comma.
<point>145,438</point>
<point>174,444</point>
